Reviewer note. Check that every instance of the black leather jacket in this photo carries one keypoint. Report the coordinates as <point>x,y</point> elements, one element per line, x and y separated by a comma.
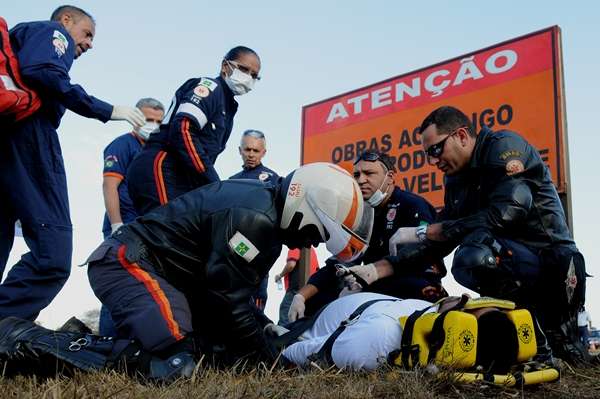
<point>506,189</point>
<point>215,244</point>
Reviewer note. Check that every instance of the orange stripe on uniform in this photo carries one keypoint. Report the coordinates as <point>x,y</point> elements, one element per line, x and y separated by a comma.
<point>154,289</point>
<point>113,174</point>
<point>189,145</point>
<point>158,177</point>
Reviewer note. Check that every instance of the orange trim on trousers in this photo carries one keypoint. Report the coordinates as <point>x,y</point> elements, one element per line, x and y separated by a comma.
<point>155,291</point>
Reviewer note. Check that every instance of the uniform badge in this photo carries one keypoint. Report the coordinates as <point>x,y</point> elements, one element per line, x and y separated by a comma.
<point>110,160</point>
<point>209,84</point>
<point>510,154</point>
<point>60,43</point>
<point>201,91</point>
<point>514,166</point>
<point>195,99</point>
<point>243,247</point>
<point>391,215</point>
<point>263,176</point>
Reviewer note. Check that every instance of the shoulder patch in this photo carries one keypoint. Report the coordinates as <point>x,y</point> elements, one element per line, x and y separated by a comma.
<point>201,91</point>
<point>243,247</point>
<point>514,166</point>
<point>110,160</point>
<point>209,84</point>
<point>60,43</point>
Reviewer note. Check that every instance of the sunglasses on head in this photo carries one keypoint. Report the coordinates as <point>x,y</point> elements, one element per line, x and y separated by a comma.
<point>371,156</point>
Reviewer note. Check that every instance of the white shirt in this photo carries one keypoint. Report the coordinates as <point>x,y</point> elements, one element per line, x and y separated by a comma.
<point>365,343</point>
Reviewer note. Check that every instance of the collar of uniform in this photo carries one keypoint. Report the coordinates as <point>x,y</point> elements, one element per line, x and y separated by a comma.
<point>476,158</point>
<point>249,169</point>
<point>138,138</point>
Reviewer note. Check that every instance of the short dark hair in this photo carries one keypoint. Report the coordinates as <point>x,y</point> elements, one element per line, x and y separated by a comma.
<point>447,119</point>
<point>497,342</point>
<point>66,9</point>
<point>374,155</point>
<point>238,51</point>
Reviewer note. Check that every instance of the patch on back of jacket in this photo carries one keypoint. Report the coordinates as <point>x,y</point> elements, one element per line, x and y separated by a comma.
<point>243,247</point>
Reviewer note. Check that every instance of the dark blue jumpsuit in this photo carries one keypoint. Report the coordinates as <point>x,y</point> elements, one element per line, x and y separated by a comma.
<point>264,174</point>
<point>181,156</point>
<point>33,187</point>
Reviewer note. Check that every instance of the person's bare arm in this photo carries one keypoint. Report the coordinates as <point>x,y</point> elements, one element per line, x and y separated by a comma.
<point>110,190</point>
<point>287,269</point>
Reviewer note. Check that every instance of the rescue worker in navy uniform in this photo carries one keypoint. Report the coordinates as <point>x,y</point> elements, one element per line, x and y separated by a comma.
<point>118,155</point>
<point>394,208</point>
<point>193,264</point>
<point>33,185</point>
<point>253,148</point>
<point>503,212</point>
<point>181,156</point>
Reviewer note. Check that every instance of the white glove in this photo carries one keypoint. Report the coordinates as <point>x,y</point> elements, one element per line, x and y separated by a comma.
<point>296,308</point>
<point>115,226</point>
<point>130,114</point>
<point>366,272</point>
<point>273,330</point>
<point>406,235</point>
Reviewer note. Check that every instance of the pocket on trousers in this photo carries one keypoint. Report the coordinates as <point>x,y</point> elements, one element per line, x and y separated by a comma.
<point>98,254</point>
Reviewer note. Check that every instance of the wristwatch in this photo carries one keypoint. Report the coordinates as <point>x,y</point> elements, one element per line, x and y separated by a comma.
<point>421,232</point>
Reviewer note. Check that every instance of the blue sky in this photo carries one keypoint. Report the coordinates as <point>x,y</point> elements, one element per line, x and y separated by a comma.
<point>310,51</point>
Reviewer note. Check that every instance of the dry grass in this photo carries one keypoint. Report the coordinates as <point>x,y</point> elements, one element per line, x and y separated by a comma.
<point>265,383</point>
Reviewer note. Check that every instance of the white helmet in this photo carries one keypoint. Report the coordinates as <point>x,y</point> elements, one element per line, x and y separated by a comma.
<point>327,197</point>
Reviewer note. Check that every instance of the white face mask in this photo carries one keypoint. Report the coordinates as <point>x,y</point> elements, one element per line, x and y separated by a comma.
<point>378,196</point>
<point>239,82</point>
<point>148,128</point>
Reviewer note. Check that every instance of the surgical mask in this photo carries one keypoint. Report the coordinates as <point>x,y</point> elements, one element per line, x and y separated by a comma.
<point>145,131</point>
<point>239,82</point>
<point>378,196</point>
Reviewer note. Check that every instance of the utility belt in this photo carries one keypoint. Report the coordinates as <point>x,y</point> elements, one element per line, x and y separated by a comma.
<point>450,339</point>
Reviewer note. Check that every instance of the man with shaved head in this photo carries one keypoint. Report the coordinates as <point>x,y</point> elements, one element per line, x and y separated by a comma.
<point>33,184</point>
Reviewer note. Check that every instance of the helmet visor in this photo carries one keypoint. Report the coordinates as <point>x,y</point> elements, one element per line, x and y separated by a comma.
<point>344,243</point>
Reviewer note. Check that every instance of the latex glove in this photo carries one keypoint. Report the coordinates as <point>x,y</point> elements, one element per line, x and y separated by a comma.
<point>404,235</point>
<point>115,226</point>
<point>130,114</point>
<point>273,330</point>
<point>366,272</point>
<point>297,308</point>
